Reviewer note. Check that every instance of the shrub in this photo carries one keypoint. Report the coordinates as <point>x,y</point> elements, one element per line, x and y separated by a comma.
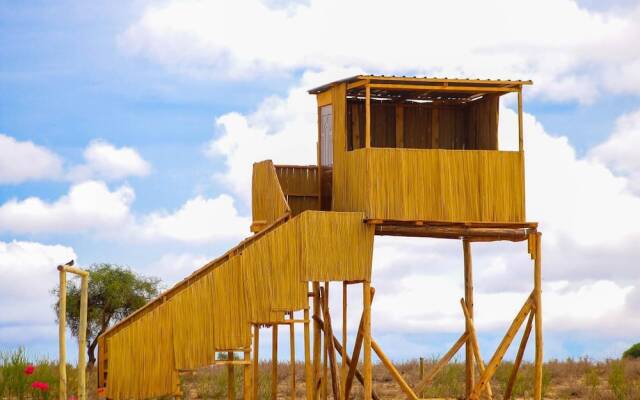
<point>632,352</point>
<point>617,381</point>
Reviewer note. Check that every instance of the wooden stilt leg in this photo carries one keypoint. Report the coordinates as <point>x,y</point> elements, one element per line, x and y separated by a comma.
<point>468,296</point>
<point>518,360</point>
<point>231,382</point>
<point>292,344</point>
<point>328,329</point>
<point>274,362</point>
<point>247,382</point>
<point>324,295</point>
<point>307,358</point>
<point>537,387</point>
<point>344,337</point>
<point>475,347</point>
<point>357,346</point>
<point>366,334</point>
<point>256,361</point>
<point>316,339</point>
<point>62,325</point>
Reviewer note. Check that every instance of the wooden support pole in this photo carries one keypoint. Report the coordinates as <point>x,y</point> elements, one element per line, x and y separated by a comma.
<point>367,118</point>
<point>62,324</point>
<point>468,299</point>
<point>345,366</point>
<point>274,362</point>
<point>426,381</point>
<point>516,364</point>
<point>520,122</point>
<point>399,126</point>
<point>435,129</point>
<point>537,295</point>
<point>421,367</point>
<point>307,357</point>
<point>357,373</point>
<point>247,381</point>
<point>292,350</point>
<point>82,337</point>
<point>502,348</point>
<point>231,381</point>
<point>256,361</point>
<point>366,334</point>
<point>316,339</point>
<point>474,345</point>
<point>394,372</point>
<point>357,346</point>
<point>325,365</point>
<point>328,330</point>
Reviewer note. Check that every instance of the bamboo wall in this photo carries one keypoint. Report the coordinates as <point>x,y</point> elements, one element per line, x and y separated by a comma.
<point>300,186</point>
<point>438,185</point>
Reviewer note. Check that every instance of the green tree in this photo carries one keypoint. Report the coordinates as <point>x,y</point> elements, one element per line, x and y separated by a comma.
<point>632,352</point>
<point>114,292</point>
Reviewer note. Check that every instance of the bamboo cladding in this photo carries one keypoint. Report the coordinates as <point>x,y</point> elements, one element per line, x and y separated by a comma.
<point>141,363</point>
<point>214,310</point>
<point>430,184</point>
<point>300,186</point>
<point>268,201</point>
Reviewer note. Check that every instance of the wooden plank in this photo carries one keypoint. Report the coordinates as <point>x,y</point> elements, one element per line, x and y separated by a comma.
<point>516,364</point>
<point>502,348</point>
<point>393,371</point>
<point>435,88</point>
<point>426,381</point>
<point>500,82</point>
<point>452,232</point>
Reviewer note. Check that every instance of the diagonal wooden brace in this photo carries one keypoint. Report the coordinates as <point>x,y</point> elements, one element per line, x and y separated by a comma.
<point>519,356</point>
<point>502,348</point>
<point>474,345</point>
<point>394,372</point>
<point>426,381</point>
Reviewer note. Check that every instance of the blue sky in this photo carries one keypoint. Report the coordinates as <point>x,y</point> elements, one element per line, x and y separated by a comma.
<point>193,92</point>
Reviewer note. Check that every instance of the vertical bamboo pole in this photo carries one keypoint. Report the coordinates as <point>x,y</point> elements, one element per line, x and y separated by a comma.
<point>292,349</point>
<point>62,323</point>
<point>307,357</point>
<point>399,126</point>
<point>248,380</point>
<point>325,346</point>
<point>537,292</point>
<point>316,338</point>
<point>468,297</point>
<point>274,362</point>
<point>231,387</point>
<point>82,338</point>
<point>366,313</point>
<point>367,123</point>
<point>520,122</point>
<point>256,360</point>
<point>345,365</point>
<point>421,368</point>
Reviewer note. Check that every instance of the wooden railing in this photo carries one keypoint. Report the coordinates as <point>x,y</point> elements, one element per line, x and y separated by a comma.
<point>267,199</point>
<point>432,184</point>
<point>300,186</point>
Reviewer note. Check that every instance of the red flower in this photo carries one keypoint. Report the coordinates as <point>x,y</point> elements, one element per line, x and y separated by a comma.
<point>28,370</point>
<point>44,386</point>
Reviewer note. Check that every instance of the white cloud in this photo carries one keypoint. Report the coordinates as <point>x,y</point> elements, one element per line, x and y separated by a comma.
<point>621,151</point>
<point>89,205</point>
<point>219,38</point>
<point>23,161</point>
<point>28,274</point>
<point>173,267</point>
<point>199,220</point>
<point>105,161</point>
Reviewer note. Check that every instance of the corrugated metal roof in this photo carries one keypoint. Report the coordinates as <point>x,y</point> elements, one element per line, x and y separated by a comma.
<point>422,80</point>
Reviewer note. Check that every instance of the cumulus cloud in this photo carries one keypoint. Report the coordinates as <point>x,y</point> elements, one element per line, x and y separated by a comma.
<point>88,206</point>
<point>28,274</point>
<point>22,161</point>
<point>105,161</point>
<point>213,38</point>
<point>199,220</point>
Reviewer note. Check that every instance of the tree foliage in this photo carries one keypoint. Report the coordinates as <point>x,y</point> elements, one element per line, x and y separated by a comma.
<point>114,292</point>
<point>632,352</point>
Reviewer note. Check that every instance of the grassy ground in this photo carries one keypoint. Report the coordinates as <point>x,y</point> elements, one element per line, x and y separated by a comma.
<point>568,379</point>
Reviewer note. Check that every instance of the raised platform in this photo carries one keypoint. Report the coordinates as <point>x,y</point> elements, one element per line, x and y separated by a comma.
<point>471,231</point>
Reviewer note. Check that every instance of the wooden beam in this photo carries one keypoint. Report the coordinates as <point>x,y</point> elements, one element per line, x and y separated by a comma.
<point>502,348</point>
<point>436,88</point>
<point>537,296</point>
<point>475,347</point>
<point>516,364</point>
<point>356,84</point>
<point>468,299</point>
<point>435,128</point>
<point>426,381</point>
<point>274,362</point>
<point>453,232</point>
<point>367,120</point>
<point>393,371</point>
<point>445,80</point>
<point>399,125</point>
<point>520,123</point>
<point>366,334</point>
